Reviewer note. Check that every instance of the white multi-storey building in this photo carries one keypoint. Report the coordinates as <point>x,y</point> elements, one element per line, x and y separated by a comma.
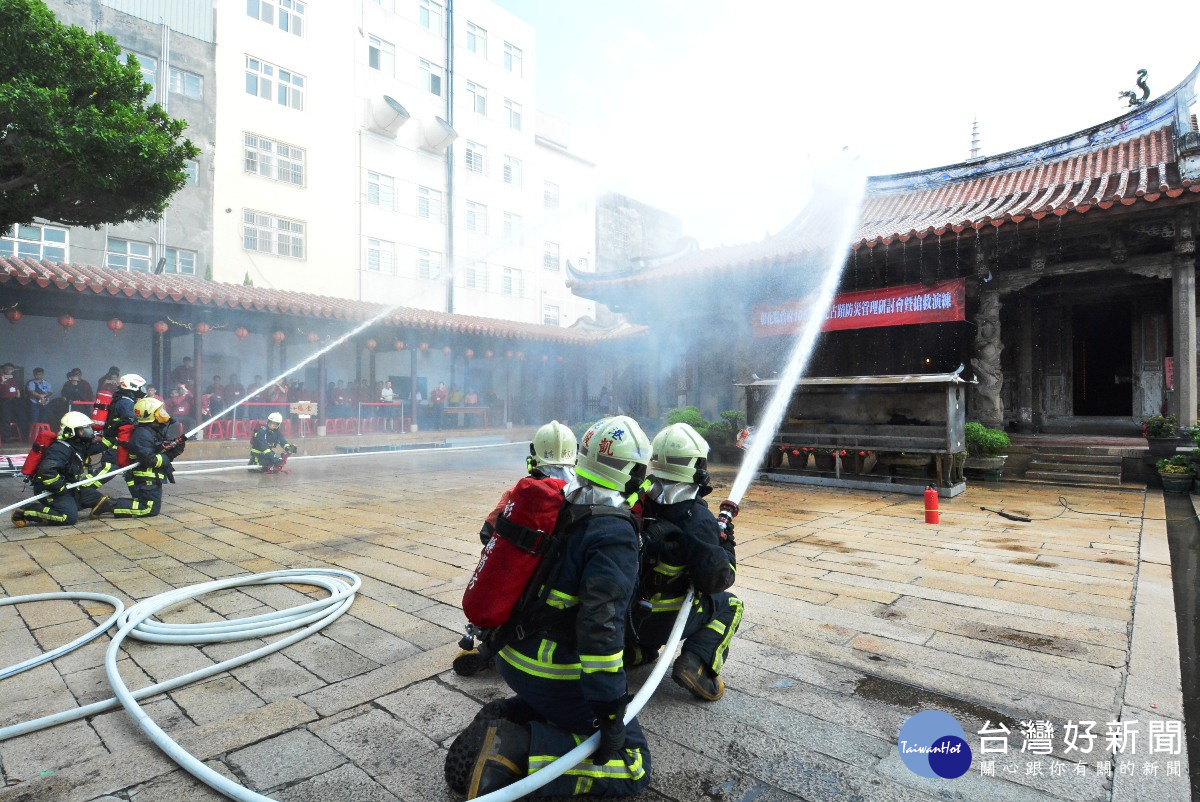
<point>387,150</point>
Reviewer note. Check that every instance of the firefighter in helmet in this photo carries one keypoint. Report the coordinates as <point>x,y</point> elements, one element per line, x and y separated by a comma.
<point>152,454</point>
<point>681,546</point>
<point>64,462</point>
<point>130,388</point>
<point>264,442</point>
<point>567,671</point>
<point>551,456</point>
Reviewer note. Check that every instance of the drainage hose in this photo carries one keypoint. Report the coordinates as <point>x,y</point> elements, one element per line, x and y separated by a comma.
<point>580,753</point>
<point>113,601</point>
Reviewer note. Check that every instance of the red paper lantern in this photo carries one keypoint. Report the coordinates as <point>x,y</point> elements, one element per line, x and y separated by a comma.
<point>399,345</point>
<point>424,346</point>
<point>314,338</point>
<point>279,336</point>
<point>488,354</point>
<point>447,350</point>
<point>242,332</point>
<point>161,328</point>
<point>66,321</point>
<point>13,315</point>
<point>115,325</point>
<point>371,344</point>
<point>470,353</point>
<point>203,328</point>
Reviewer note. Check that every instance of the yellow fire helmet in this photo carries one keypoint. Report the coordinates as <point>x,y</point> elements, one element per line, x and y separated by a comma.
<point>150,410</point>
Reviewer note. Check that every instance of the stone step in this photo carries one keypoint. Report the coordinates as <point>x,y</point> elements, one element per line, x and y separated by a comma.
<point>1089,459</point>
<point>1074,467</point>
<point>1068,478</point>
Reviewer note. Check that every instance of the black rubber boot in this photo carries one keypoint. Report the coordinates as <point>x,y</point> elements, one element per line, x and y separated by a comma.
<point>691,673</point>
<point>18,518</point>
<point>104,505</point>
<point>471,662</point>
<point>503,760</point>
<point>464,751</point>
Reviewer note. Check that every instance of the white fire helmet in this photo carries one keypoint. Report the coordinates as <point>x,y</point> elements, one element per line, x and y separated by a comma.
<point>613,454</point>
<point>553,444</point>
<point>274,420</point>
<point>132,381</point>
<point>679,454</point>
<point>76,425</point>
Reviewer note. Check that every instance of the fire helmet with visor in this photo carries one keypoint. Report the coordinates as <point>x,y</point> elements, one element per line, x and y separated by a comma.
<point>613,454</point>
<point>150,410</point>
<point>133,382</point>
<point>76,426</point>
<point>274,421</point>
<point>679,454</point>
<point>553,444</point>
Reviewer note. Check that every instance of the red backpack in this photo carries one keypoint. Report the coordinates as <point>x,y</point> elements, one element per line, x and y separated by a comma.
<point>100,409</point>
<point>40,444</point>
<point>124,434</point>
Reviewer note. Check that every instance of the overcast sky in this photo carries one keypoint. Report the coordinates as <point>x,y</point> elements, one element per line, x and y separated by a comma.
<point>711,109</point>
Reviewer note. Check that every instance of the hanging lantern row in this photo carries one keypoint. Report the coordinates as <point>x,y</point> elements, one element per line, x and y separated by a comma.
<point>161,327</point>
<point>278,336</point>
<point>66,321</point>
<point>115,325</point>
<point>241,332</point>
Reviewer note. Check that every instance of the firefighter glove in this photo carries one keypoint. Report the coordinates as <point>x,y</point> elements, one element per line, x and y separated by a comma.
<point>289,448</point>
<point>610,722</point>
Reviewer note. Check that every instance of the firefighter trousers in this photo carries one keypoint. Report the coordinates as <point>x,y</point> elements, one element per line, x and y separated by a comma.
<point>145,500</point>
<point>62,509</point>
<point>711,625</point>
<point>568,722</point>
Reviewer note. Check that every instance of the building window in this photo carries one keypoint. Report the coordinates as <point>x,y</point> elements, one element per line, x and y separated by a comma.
<point>513,59</point>
<point>550,256</point>
<point>35,242</point>
<point>265,80</point>
<point>179,261</point>
<point>381,55</point>
<point>477,98</point>
<point>512,114</point>
<point>273,159</point>
<point>431,15</point>
<point>126,254</point>
<point>512,282</point>
<point>149,68</point>
<point>387,5</point>
<point>270,234</point>
<point>381,255</point>
<point>381,190</point>
<point>549,315</point>
<point>550,195</point>
<point>477,277</point>
<point>476,39</point>
<point>476,157</point>
<point>185,83</point>
<point>429,203</point>
<point>191,168</point>
<point>514,171</point>
<point>476,217</point>
<point>431,77</point>
<point>512,226</point>
<point>583,263</point>
<point>289,13</point>
<point>429,264</point>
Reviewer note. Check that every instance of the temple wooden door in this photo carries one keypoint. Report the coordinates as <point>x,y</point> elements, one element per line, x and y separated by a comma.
<point>1149,348</point>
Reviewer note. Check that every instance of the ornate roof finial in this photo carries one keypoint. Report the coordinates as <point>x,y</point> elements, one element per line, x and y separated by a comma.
<point>974,137</point>
<point>1131,95</point>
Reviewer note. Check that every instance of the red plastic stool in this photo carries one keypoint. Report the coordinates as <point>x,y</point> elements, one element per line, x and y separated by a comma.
<point>37,428</point>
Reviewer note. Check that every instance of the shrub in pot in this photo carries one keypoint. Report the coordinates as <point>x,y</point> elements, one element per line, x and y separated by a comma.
<point>985,451</point>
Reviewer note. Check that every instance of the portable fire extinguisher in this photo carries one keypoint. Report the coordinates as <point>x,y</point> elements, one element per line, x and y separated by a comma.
<point>931,505</point>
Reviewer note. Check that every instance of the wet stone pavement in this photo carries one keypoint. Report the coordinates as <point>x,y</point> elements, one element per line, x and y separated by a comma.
<point>858,616</point>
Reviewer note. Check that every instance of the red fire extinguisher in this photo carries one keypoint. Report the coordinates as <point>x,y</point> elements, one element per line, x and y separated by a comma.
<point>931,505</point>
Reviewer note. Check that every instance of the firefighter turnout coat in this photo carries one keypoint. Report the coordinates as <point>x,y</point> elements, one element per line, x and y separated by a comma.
<point>65,462</point>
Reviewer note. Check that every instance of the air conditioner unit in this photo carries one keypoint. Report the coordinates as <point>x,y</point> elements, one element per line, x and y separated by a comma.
<point>386,115</point>
<point>438,135</point>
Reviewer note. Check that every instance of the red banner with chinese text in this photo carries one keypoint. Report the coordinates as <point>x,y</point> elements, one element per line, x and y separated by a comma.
<point>943,302</point>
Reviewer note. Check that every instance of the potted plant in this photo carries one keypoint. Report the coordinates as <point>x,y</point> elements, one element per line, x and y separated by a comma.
<point>1162,435</point>
<point>985,452</point>
<point>1177,472</point>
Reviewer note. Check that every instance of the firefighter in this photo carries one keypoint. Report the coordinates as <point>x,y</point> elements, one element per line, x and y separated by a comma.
<point>64,462</point>
<point>568,675</point>
<point>681,546</point>
<point>551,455</point>
<point>153,456</point>
<point>130,388</point>
<point>264,442</point>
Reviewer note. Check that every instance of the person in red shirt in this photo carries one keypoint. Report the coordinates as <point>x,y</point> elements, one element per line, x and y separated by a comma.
<point>438,399</point>
<point>184,373</point>
<point>179,406</point>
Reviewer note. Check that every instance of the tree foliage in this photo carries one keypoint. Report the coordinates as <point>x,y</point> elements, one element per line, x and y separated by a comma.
<point>79,145</point>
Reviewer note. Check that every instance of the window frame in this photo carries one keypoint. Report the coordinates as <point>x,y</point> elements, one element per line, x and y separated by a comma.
<point>512,278</point>
<point>385,256</point>
<point>475,217</point>
<point>475,157</point>
<point>478,97</point>
<point>385,190</point>
<point>551,195</point>
<point>429,268</point>
<point>429,72</point>
<point>514,57</point>
<point>172,265</point>
<point>277,163</point>
<point>149,74</point>
<point>378,53</point>
<point>514,171</point>
<point>551,250</point>
<point>19,238</point>
<point>512,113</point>
<point>546,314</point>
<point>476,39</point>
<point>427,12</point>
<point>179,86</point>
<point>284,233</point>
<point>429,203</point>
<point>126,255</point>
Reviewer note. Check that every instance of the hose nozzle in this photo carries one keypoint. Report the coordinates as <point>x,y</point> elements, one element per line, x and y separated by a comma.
<point>728,511</point>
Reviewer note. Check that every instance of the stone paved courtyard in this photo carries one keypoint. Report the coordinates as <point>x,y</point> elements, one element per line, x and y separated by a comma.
<point>858,615</point>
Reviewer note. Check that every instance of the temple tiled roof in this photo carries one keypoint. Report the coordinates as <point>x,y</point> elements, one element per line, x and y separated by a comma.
<point>176,289</point>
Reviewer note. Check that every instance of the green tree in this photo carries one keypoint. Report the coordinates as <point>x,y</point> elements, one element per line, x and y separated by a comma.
<point>78,143</point>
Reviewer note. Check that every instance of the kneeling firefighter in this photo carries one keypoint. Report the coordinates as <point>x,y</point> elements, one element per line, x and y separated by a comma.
<point>64,462</point>
<point>131,389</point>
<point>264,442</point>
<point>681,546</point>
<point>152,451</point>
<point>551,456</point>
<point>565,661</point>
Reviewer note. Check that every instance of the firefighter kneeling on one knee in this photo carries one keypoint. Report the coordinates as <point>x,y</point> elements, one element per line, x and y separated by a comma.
<point>264,442</point>
<point>681,546</point>
<point>151,454</point>
<point>567,670</point>
<point>131,389</point>
<point>64,462</point>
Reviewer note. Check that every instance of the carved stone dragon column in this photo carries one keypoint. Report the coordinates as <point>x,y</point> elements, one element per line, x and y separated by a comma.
<point>1183,311</point>
<point>986,362</point>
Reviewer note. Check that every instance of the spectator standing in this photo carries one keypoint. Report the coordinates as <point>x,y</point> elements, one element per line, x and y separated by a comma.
<point>387,395</point>
<point>76,389</point>
<point>437,400</point>
<point>234,391</point>
<point>110,381</point>
<point>179,406</point>
<point>216,397</point>
<point>184,373</point>
<point>606,402</point>
<point>254,385</point>
<point>10,398</point>
<point>471,399</point>
<point>39,393</point>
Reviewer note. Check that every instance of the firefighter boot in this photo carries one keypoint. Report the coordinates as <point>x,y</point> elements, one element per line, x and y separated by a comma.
<point>691,673</point>
<point>503,760</point>
<point>461,757</point>
<point>471,662</point>
<point>639,656</point>
<point>18,518</point>
<point>105,504</point>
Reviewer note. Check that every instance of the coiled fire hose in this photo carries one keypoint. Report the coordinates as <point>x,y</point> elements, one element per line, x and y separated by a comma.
<point>113,601</point>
